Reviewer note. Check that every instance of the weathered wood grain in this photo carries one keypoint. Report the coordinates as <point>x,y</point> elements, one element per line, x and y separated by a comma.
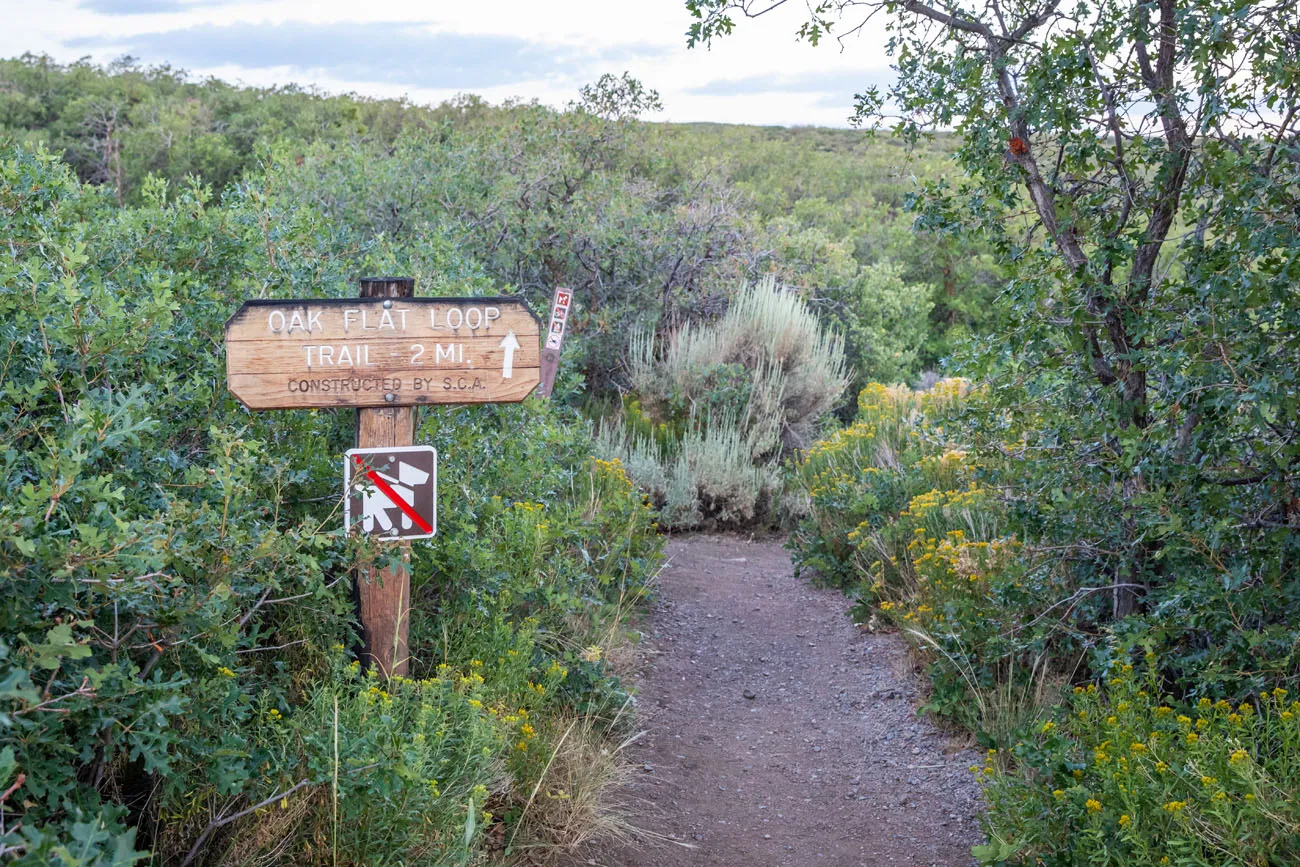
<point>333,319</point>
<point>267,391</point>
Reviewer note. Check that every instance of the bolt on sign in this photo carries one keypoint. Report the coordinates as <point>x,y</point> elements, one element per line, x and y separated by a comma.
<point>392,493</point>
<point>371,352</point>
<point>560,304</point>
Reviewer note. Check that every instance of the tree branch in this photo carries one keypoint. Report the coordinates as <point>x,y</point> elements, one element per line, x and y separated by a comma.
<point>1160,81</point>
<point>954,21</point>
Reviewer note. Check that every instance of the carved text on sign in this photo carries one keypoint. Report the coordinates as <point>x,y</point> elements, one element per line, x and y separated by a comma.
<point>289,354</point>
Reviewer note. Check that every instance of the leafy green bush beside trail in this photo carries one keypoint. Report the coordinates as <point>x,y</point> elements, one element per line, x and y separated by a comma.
<point>1130,777</point>
<point>175,642</point>
<point>1109,741</point>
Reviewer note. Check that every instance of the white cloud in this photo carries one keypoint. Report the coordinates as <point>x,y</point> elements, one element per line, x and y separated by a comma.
<point>430,51</point>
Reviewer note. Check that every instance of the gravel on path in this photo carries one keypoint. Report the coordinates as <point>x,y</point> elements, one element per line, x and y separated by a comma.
<point>778,733</point>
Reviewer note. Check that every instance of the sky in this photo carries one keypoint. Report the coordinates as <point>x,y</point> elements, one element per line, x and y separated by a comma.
<point>432,50</point>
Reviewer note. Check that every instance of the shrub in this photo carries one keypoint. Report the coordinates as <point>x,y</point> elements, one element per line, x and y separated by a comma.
<point>1128,776</point>
<point>768,362</point>
<point>846,489</point>
<point>720,404</point>
<point>926,508</point>
<point>709,474</point>
<point>886,321</point>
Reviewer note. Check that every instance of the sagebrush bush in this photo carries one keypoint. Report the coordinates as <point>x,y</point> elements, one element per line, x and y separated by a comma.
<point>716,408</point>
<point>709,473</point>
<point>769,361</point>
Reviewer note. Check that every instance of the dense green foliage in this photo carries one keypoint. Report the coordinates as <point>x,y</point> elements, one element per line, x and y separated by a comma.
<point>174,647</point>
<point>117,126</point>
<point>651,224</point>
<point>930,518</point>
<point>844,200</point>
<point>1093,550</point>
<point>177,651</point>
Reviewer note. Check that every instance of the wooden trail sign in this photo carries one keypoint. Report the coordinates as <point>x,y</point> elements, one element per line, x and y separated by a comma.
<point>384,353</point>
<point>373,352</point>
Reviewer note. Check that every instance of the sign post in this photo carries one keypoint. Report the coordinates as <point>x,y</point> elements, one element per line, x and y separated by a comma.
<point>384,353</point>
<point>384,594</point>
<point>560,304</point>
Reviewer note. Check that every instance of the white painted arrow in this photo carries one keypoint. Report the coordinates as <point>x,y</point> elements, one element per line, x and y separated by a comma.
<point>509,343</point>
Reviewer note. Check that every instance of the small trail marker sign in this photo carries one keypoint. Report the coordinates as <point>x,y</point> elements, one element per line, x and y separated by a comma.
<point>380,352</point>
<point>561,302</point>
<point>391,493</point>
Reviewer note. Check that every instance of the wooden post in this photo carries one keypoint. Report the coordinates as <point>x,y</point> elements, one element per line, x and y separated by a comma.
<point>384,594</point>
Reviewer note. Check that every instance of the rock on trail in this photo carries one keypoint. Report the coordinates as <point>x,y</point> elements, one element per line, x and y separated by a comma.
<point>778,733</point>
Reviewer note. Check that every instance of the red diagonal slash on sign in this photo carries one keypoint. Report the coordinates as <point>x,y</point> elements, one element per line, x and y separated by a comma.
<point>388,492</point>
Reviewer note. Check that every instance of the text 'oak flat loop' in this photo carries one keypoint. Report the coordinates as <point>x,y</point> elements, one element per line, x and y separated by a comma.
<point>389,352</point>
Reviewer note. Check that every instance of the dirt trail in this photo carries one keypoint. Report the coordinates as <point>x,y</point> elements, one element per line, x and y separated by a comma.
<point>779,734</point>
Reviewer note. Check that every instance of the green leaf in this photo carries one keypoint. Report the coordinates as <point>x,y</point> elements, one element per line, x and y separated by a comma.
<point>995,852</point>
<point>59,644</point>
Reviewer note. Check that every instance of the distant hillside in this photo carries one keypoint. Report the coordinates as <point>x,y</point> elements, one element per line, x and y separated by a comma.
<point>822,208</point>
